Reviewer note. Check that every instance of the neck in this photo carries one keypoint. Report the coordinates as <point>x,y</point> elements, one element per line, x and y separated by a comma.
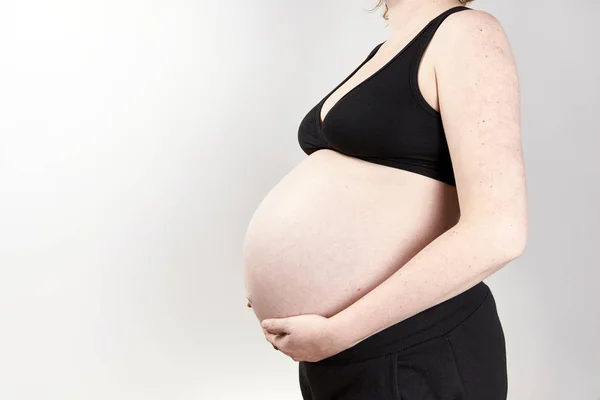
<point>410,14</point>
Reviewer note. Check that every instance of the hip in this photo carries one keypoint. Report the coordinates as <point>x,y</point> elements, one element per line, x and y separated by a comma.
<point>454,350</point>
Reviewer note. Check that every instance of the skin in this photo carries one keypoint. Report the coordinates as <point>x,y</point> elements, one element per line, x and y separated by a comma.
<point>249,305</point>
<point>477,92</point>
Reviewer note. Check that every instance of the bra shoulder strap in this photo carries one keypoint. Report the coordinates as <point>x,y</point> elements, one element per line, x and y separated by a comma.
<point>426,37</point>
<point>372,53</point>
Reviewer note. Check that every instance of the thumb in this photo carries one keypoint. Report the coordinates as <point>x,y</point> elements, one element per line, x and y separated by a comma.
<point>276,326</point>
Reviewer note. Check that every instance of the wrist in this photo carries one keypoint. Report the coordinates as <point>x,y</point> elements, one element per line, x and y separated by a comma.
<point>341,330</point>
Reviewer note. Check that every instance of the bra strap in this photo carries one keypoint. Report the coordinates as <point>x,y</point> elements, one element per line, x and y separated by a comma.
<point>417,55</point>
<point>426,37</point>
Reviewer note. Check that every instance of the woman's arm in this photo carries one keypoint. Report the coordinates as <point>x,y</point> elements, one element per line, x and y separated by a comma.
<point>478,93</point>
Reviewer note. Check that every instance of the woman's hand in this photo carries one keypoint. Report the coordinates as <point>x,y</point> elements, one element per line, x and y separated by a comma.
<point>307,337</point>
<point>249,305</point>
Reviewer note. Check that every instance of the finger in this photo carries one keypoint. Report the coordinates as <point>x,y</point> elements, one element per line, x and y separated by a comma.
<point>280,341</point>
<point>270,337</point>
<point>277,326</point>
<point>277,341</point>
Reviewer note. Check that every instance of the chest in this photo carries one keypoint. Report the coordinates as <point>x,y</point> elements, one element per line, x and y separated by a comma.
<point>379,117</point>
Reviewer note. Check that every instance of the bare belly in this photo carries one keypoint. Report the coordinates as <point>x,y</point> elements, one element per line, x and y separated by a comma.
<point>334,228</point>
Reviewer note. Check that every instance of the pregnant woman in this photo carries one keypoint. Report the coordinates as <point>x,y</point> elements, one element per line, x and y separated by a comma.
<point>365,263</point>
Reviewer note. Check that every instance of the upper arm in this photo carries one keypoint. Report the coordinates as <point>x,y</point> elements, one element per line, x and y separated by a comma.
<point>478,89</point>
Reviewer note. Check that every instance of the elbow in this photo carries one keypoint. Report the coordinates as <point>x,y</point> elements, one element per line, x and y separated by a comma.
<point>510,239</point>
<point>518,244</point>
<point>505,239</point>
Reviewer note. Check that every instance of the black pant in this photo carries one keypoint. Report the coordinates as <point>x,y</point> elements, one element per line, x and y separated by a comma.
<point>454,350</point>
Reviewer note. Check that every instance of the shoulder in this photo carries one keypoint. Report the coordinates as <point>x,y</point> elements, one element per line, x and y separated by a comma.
<point>472,31</point>
<point>473,41</point>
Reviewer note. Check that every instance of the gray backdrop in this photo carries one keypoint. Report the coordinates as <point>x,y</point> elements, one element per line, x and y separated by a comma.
<point>137,138</point>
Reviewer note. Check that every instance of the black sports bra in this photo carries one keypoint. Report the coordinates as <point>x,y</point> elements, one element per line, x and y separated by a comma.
<point>385,119</point>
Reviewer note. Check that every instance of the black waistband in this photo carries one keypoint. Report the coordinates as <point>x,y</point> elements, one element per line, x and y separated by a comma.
<point>428,324</point>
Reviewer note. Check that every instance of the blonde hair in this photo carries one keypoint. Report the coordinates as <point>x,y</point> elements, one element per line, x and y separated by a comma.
<point>386,13</point>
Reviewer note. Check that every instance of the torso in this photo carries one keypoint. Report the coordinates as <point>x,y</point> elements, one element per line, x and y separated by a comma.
<point>334,228</point>
<point>337,226</point>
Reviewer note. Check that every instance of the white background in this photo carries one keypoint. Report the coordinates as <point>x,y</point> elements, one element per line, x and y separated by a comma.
<point>137,138</point>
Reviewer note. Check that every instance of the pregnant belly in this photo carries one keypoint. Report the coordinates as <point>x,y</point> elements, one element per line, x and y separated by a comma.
<point>334,228</point>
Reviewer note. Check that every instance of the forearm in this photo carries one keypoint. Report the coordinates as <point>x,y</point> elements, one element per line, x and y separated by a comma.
<point>455,261</point>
